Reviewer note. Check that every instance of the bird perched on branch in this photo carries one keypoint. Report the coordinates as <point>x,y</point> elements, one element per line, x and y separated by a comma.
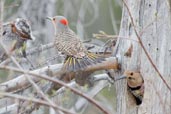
<point>135,84</point>
<point>67,42</point>
<point>16,34</point>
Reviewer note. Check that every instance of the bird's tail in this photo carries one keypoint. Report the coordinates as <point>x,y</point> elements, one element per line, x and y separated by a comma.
<point>75,64</point>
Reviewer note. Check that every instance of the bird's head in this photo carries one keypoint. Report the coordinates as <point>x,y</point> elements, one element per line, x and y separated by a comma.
<point>60,22</point>
<point>134,78</point>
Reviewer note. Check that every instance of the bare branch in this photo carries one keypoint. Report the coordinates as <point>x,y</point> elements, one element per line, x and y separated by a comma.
<point>38,49</point>
<point>20,82</point>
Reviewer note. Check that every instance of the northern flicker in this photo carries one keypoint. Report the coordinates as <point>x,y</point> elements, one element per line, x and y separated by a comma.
<point>67,42</point>
<point>135,84</point>
<point>16,34</point>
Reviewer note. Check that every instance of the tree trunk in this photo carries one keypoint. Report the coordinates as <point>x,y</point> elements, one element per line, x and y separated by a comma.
<point>153,18</point>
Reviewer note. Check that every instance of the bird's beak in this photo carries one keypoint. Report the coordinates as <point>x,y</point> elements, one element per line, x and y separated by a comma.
<point>30,38</point>
<point>49,18</point>
<point>120,77</point>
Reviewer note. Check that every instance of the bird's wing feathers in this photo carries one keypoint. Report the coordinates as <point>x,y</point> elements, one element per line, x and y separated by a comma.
<point>69,43</point>
<point>23,26</point>
<point>78,58</point>
<point>23,29</point>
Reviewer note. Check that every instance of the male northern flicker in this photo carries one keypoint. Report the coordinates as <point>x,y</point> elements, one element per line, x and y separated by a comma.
<point>16,34</point>
<point>135,84</point>
<point>67,42</point>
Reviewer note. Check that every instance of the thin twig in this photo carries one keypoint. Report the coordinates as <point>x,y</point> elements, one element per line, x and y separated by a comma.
<point>45,97</point>
<point>38,49</point>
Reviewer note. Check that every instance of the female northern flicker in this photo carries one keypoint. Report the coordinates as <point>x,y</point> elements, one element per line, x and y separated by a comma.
<point>16,34</point>
<point>135,85</point>
<point>67,42</point>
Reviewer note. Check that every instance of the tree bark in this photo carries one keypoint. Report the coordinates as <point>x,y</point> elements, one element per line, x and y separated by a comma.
<point>153,18</point>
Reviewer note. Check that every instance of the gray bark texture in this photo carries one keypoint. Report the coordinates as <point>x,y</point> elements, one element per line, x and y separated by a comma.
<point>154,18</point>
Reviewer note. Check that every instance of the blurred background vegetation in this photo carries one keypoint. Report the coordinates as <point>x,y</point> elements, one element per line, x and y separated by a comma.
<point>85,18</point>
<point>92,15</point>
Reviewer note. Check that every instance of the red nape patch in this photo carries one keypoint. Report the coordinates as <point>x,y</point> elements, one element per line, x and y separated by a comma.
<point>64,21</point>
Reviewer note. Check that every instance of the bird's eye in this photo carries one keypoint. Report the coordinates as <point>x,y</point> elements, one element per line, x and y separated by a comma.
<point>54,19</point>
<point>131,73</point>
<point>130,78</point>
<point>12,25</point>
